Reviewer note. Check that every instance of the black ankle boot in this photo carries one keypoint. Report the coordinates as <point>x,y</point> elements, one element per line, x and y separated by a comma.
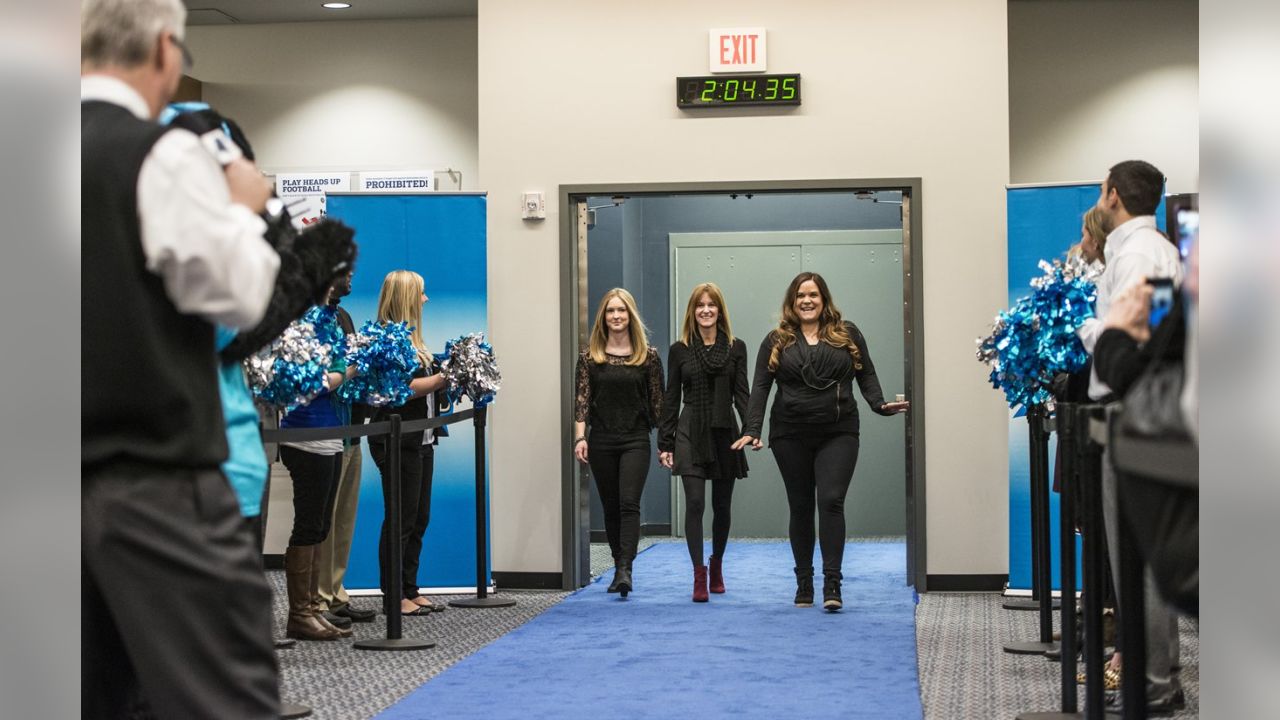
<point>622,578</point>
<point>617,575</point>
<point>804,587</point>
<point>831,593</point>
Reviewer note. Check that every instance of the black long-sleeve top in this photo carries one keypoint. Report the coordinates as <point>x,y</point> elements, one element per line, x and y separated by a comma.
<point>620,403</point>
<point>675,427</point>
<point>815,388</point>
<point>1120,360</point>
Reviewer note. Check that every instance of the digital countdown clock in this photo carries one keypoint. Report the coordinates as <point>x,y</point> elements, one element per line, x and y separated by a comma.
<point>742,90</point>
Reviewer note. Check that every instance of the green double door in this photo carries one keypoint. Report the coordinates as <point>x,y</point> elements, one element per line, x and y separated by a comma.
<point>864,271</point>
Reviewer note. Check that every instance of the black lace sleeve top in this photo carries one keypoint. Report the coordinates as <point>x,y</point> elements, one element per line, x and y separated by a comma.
<point>620,403</point>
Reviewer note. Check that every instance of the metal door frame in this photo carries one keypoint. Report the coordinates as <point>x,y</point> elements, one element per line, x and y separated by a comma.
<point>575,511</point>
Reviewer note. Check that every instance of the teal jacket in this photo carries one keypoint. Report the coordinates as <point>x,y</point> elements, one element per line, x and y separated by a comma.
<point>246,466</point>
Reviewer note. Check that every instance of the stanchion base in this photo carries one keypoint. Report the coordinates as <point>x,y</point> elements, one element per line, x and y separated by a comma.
<point>483,602</point>
<point>1029,648</point>
<point>396,644</point>
<point>1028,604</point>
<point>284,643</point>
<point>289,710</point>
<point>1060,716</point>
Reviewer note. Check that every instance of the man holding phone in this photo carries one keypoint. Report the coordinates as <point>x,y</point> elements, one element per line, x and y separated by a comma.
<point>1135,251</point>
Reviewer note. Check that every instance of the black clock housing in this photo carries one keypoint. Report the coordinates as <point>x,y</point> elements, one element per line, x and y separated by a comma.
<point>737,90</point>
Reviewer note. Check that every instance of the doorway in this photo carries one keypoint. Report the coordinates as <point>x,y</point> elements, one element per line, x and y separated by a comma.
<point>751,239</point>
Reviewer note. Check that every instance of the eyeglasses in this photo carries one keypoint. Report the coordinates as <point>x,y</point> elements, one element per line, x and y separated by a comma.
<point>187,61</point>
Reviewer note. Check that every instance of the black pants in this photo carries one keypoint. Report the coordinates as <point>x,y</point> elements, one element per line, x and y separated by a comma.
<point>417,463</point>
<point>175,613</point>
<point>695,501</point>
<point>817,472</point>
<point>620,476</point>
<point>315,487</point>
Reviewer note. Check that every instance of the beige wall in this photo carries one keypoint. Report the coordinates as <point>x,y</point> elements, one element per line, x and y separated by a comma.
<point>1094,82</point>
<point>348,95</point>
<point>573,92</point>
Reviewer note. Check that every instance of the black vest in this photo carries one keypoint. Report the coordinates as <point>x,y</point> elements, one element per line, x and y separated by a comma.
<point>148,373</point>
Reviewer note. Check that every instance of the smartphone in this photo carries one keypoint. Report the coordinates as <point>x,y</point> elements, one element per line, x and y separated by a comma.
<point>1161,299</point>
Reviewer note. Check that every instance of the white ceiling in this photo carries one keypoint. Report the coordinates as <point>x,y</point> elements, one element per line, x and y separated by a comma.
<point>230,12</point>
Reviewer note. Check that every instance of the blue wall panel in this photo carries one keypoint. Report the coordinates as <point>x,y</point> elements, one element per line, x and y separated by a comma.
<point>442,238</point>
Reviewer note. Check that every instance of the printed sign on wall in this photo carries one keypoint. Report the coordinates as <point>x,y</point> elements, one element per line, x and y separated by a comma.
<point>311,183</point>
<point>398,181</point>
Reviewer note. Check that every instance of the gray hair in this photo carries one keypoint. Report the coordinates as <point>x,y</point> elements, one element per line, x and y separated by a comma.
<point>124,32</point>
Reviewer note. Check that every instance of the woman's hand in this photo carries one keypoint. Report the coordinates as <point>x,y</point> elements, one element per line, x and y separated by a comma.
<point>893,408</point>
<point>580,450</point>
<point>666,459</point>
<point>746,440</point>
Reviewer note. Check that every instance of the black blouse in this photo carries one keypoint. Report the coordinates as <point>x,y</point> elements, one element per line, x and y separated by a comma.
<point>620,403</point>
<point>815,388</point>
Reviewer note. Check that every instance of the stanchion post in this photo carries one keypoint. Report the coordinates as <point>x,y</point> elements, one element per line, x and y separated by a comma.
<point>482,598</point>
<point>1133,619</point>
<point>395,559</point>
<point>1067,552</point>
<point>1090,477</point>
<point>1039,457</point>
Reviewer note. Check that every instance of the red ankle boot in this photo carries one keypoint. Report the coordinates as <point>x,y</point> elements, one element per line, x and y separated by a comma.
<point>700,583</point>
<point>717,574</point>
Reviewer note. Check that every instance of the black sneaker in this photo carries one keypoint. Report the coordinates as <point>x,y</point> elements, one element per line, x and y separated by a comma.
<point>804,587</point>
<point>831,594</point>
<point>355,614</point>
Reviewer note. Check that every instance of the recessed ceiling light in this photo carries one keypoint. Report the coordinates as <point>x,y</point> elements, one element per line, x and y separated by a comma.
<point>336,6</point>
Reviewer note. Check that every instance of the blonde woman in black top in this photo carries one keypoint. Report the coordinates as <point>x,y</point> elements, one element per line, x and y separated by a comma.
<point>618,400</point>
<point>814,355</point>
<point>708,368</point>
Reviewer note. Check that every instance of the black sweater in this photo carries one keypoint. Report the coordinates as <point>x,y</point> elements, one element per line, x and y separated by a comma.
<point>1120,360</point>
<point>815,388</point>
<point>680,368</point>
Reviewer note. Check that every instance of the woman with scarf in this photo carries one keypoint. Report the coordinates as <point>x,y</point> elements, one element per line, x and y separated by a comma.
<point>708,367</point>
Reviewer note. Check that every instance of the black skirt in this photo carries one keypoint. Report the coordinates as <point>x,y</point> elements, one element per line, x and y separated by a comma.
<point>726,464</point>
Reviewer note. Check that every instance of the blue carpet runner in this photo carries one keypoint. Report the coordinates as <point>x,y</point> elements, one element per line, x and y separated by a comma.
<point>748,653</point>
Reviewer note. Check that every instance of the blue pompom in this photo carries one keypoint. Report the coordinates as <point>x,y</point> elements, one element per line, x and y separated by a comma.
<point>385,360</point>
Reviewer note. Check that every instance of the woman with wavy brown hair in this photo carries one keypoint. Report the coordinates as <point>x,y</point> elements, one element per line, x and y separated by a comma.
<point>814,355</point>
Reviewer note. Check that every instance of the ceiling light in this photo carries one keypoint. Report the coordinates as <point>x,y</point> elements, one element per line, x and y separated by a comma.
<point>336,5</point>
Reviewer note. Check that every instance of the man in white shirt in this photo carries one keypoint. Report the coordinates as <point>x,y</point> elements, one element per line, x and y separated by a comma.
<point>175,611</point>
<point>1135,251</point>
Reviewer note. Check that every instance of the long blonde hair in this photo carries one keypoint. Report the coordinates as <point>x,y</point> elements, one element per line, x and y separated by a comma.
<point>831,328</point>
<point>1094,225</point>
<point>401,301</point>
<point>689,328</point>
<point>635,328</point>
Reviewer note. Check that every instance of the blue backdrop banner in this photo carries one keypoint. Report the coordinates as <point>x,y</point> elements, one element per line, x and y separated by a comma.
<point>441,237</point>
<point>1043,222</point>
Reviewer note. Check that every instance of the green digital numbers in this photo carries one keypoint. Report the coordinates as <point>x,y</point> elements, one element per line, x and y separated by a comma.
<point>749,88</point>
<point>789,89</point>
<point>730,90</point>
<point>771,89</point>
<point>709,91</point>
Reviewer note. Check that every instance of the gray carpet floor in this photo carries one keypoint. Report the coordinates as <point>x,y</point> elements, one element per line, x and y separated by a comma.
<point>963,671</point>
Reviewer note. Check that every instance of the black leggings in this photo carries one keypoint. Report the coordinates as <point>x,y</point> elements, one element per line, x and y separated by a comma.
<point>817,472</point>
<point>315,487</point>
<point>417,464</point>
<point>620,476</point>
<point>695,499</point>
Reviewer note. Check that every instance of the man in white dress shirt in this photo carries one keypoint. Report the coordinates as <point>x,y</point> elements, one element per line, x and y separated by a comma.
<point>1135,251</point>
<point>175,611</point>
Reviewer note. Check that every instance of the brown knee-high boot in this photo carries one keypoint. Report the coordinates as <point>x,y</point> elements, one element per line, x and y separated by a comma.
<point>315,594</point>
<point>299,569</point>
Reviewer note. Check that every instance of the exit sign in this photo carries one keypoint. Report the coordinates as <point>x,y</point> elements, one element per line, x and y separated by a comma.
<point>737,50</point>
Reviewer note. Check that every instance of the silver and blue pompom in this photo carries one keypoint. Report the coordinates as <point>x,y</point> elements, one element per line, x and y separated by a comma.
<point>385,361</point>
<point>1036,338</point>
<point>470,370</point>
<point>292,370</point>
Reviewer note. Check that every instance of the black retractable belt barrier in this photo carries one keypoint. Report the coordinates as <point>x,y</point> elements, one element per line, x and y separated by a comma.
<point>1066,428</point>
<point>482,598</point>
<point>1036,420</point>
<point>1037,423</point>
